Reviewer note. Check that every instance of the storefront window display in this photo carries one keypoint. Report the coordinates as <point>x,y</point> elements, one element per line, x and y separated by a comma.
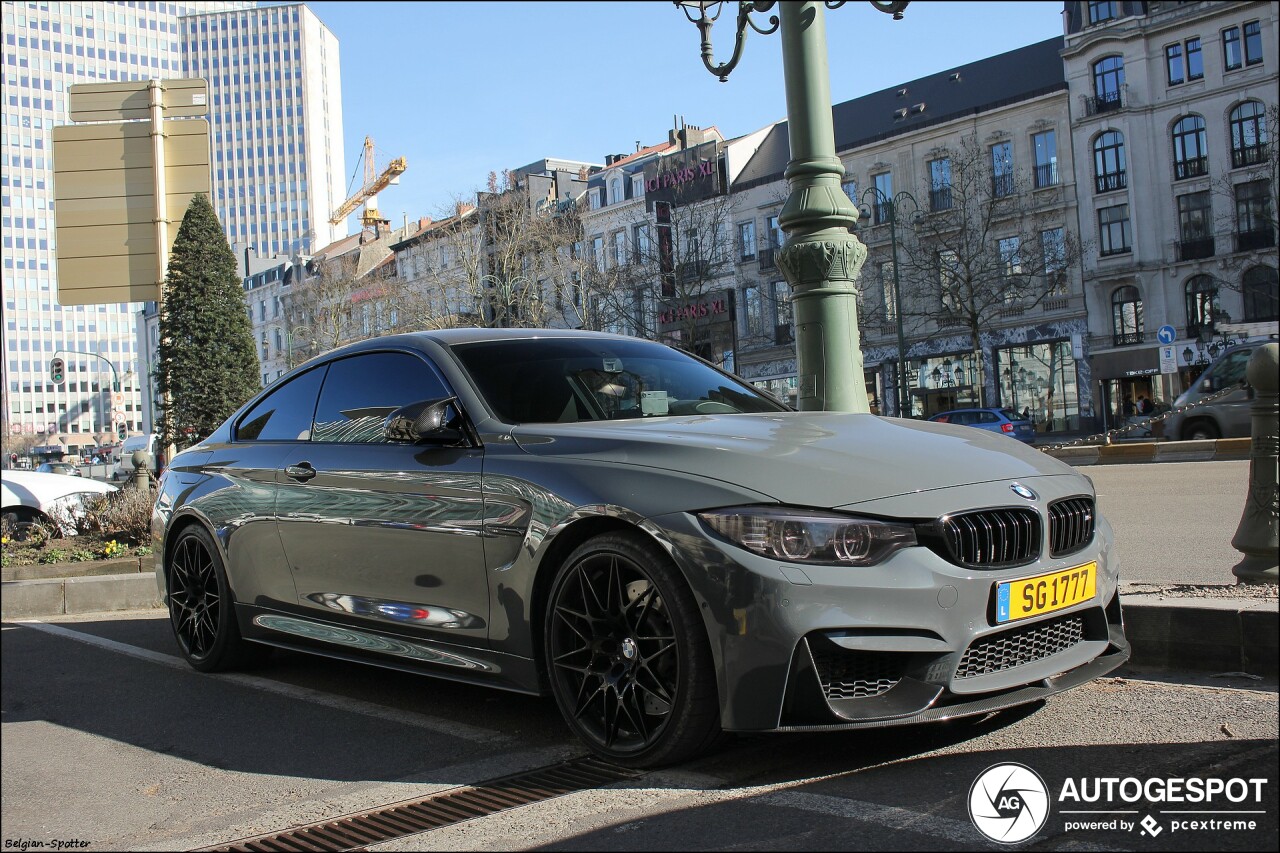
<point>943,382</point>
<point>1039,380</point>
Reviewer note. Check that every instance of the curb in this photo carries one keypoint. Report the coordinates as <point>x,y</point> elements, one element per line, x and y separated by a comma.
<point>71,596</point>
<point>39,571</point>
<point>1207,450</point>
<point>1207,634</point>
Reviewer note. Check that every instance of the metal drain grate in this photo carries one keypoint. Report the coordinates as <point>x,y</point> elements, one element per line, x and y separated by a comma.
<point>448,807</point>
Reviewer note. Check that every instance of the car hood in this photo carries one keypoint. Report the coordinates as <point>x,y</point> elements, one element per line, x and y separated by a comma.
<point>819,459</point>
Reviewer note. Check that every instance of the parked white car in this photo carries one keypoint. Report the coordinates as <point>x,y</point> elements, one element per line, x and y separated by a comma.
<point>31,499</point>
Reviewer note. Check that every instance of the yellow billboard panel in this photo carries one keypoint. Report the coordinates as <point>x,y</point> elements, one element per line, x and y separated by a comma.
<point>184,98</point>
<point>105,210</point>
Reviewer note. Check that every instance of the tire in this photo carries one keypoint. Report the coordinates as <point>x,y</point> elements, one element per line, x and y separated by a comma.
<point>1200,430</point>
<point>201,609</point>
<point>627,655</point>
<point>26,525</point>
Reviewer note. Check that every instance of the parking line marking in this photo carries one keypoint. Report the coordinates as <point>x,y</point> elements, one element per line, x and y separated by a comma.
<point>451,728</point>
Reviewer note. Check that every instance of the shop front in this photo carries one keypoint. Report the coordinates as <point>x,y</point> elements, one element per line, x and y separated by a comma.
<point>1040,382</point>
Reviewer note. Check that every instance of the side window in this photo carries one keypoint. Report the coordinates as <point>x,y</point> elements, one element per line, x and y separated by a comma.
<point>285,413</point>
<point>962,418</point>
<point>1232,369</point>
<point>361,391</point>
<point>987,418</point>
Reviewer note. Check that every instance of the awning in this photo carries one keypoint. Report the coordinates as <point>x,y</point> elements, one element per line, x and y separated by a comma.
<point>1119,364</point>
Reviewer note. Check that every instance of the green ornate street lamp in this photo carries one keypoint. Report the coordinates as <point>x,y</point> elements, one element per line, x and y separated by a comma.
<point>288,343</point>
<point>821,257</point>
<point>887,209</point>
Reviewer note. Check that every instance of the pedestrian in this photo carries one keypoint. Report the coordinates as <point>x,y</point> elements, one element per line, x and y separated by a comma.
<point>1145,406</point>
<point>1127,409</point>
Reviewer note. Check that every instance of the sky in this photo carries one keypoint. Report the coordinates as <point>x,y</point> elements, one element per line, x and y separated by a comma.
<point>461,89</point>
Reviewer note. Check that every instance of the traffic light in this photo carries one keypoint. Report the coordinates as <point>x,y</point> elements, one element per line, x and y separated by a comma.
<point>57,371</point>
<point>122,430</point>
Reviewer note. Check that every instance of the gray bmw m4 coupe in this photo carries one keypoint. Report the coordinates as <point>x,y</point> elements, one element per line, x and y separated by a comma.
<point>668,552</point>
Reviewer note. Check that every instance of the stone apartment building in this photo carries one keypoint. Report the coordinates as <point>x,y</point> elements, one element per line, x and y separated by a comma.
<point>1173,121</point>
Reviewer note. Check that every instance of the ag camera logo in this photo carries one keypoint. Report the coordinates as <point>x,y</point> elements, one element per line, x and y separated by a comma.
<point>1008,803</point>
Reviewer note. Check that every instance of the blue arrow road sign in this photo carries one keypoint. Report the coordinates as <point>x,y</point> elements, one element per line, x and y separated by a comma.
<point>1167,334</point>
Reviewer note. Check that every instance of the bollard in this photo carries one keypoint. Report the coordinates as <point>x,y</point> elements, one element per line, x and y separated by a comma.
<point>141,476</point>
<point>1256,536</point>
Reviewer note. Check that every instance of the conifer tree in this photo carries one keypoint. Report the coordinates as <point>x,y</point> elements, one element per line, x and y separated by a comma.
<point>207,365</point>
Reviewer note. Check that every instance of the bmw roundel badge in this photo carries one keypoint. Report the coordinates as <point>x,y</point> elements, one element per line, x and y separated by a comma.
<point>1022,491</point>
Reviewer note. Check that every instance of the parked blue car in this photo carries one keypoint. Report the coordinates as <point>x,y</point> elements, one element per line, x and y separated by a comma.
<point>1004,421</point>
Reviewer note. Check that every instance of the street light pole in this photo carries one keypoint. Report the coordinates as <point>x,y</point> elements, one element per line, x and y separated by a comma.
<point>288,343</point>
<point>821,257</point>
<point>890,207</point>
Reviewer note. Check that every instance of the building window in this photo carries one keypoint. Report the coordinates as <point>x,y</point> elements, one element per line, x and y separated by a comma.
<point>753,308</point>
<point>1173,64</point>
<point>948,278</point>
<point>1195,226</point>
<point>593,197</point>
<point>1053,245</point>
<point>890,302</point>
<point>637,186</point>
<point>619,248</point>
<point>1253,217</point>
<point>776,235</point>
<point>615,190</point>
<point>747,240</point>
<point>1108,81</point>
<point>1011,256</point>
<point>884,196</point>
<point>940,184</point>
<point>1252,43</point>
<point>597,253</point>
<point>781,293</point>
<point>642,242</point>
<point>1231,55</point>
<point>1126,316</point>
<point>1046,153</point>
<point>1002,183</point>
<point>1190,159</point>
<point>1108,162</point>
<point>1248,135</point>
<point>1195,60</point>
<point>1113,230</point>
<point>850,188</point>
<point>1101,11</point>
<point>1261,294</point>
<point>1202,304</point>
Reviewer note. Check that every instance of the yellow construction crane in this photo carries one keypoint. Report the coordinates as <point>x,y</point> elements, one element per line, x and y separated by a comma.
<point>373,184</point>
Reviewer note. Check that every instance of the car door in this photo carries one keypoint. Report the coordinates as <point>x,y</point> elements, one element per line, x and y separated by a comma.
<point>240,498</point>
<point>380,532</point>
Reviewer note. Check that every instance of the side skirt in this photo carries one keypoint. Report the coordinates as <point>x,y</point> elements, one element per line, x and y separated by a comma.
<point>415,655</point>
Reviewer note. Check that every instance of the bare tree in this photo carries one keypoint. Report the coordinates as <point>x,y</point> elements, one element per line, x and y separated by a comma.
<point>321,301</point>
<point>985,250</point>
<point>655,283</point>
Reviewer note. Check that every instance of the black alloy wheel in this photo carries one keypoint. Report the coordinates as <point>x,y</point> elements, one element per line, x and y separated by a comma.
<point>201,609</point>
<point>627,655</point>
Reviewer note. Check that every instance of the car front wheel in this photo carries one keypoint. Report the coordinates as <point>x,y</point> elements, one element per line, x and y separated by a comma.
<point>627,655</point>
<point>1200,430</point>
<point>201,609</point>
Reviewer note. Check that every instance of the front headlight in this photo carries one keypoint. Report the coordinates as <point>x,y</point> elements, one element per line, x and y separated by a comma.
<point>805,536</point>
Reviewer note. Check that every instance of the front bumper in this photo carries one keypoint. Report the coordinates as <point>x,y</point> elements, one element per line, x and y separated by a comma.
<point>911,640</point>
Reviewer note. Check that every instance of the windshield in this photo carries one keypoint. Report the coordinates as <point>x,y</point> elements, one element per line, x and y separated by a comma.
<point>566,380</point>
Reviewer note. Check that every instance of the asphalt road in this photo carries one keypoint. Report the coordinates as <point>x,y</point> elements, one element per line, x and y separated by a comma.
<point>1173,520</point>
<point>108,738</point>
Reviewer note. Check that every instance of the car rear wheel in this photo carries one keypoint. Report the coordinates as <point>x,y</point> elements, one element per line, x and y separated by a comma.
<point>1200,430</point>
<point>627,655</point>
<point>201,609</point>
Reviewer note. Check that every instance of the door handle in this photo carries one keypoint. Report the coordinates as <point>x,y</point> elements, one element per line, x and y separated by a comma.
<point>301,472</point>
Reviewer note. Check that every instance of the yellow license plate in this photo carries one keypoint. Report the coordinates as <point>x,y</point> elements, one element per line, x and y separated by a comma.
<point>1045,593</point>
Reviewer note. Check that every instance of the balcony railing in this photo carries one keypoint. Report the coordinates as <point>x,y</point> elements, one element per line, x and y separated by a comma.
<point>1193,168</point>
<point>692,271</point>
<point>766,259</point>
<point>1103,103</point>
<point>1111,251</point>
<point>1046,175</point>
<point>1128,339</point>
<point>1248,155</point>
<point>1250,241</point>
<point>881,210</point>
<point>1002,185</point>
<point>940,199</point>
<point>1110,182</point>
<point>1194,250</point>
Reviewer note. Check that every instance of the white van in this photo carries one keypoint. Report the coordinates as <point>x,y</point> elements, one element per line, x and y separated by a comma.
<point>124,461</point>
